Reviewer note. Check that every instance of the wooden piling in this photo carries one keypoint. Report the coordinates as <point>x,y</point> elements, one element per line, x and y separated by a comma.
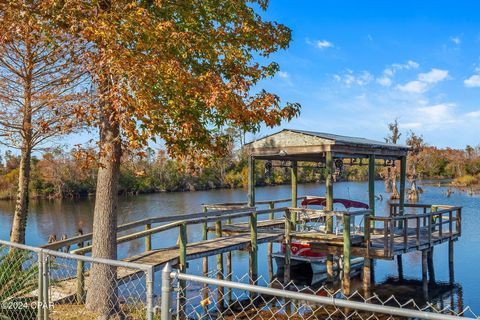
<point>367,280</point>
<point>288,241</point>
<point>424,274</point>
<point>80,296</point>
<point>346,254</point>
<point>403,177</point>
<point>221,292</point>
<point>431,269</point>
<point>271,216</point>
<point>253,248</point>
<point>371,184</point>
<point>205,238</point>
<point>148,239</point>
<point>329,207</point>
<point>251,181</point>
<point>294,172</point>
<point>400,267</point>
<point>450,262</point>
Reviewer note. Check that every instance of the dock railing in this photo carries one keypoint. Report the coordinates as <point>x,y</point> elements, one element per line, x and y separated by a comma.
<point>427,226</point>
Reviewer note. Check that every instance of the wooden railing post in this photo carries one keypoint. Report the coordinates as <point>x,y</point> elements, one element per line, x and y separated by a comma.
<point>272,214</point>
<point>346,254</point>
<point>288,241</point>
<point>148,238</point>
<point>80,296</point>
<point>253,248</point>
<point>221,293</point>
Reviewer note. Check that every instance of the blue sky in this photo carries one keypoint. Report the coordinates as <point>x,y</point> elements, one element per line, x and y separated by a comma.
<point>355,66</point>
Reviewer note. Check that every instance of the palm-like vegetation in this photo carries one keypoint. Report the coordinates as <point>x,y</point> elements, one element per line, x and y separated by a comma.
<point>18,277</point>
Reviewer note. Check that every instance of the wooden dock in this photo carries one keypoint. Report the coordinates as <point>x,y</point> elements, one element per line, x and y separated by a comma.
<point>66,290</point>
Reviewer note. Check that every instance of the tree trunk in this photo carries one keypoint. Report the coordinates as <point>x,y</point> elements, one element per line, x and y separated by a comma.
<point>102,292</point>
<point>17,233</point>
<point>19,224</point>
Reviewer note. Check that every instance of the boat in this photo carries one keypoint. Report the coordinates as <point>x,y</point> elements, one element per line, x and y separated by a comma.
<point>302,256</point>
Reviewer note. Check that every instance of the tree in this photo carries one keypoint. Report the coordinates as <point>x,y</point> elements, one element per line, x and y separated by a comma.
<point>416,145</point>
<point>37,81</point>
<point>179,70</point>
<point>391,174</point>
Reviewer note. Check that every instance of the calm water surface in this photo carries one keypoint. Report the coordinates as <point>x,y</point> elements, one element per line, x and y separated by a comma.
<point>67,216</point>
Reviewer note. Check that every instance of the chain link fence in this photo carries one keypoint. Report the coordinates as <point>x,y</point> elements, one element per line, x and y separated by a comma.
<point>197,297</point>
<point>43,284</point>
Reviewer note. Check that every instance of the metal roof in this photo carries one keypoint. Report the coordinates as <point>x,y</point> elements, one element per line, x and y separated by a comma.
<point>310,146</point>
<point>349,140</point>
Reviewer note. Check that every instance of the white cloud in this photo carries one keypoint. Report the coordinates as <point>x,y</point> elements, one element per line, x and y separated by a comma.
<point>473,81</point>
<point>473,114</point>
<point>434,76</point>
<point>437,114</point>
<point>283,74</point>
<point>320,44</point>
<point>425,81</point>
<point>385,81</point>
<point>389,72</point>
<point>456,40</point>
<point>349,78</point>
<point>413,87</point>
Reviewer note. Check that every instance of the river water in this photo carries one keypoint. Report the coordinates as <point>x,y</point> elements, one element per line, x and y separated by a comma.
<point>67,216</point>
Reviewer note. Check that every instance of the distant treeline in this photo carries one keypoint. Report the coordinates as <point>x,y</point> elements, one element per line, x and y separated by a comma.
<point>60,174</point>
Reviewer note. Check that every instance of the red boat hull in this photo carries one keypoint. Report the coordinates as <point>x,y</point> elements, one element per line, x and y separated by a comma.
<point>302,250</point>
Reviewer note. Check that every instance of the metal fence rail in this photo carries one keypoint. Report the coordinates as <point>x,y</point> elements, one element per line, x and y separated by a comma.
<point>58,286</point>
<point>199,297</point>
<point>38,283</point>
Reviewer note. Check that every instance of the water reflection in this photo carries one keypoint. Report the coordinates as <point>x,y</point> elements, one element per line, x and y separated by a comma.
<point>67,216</point>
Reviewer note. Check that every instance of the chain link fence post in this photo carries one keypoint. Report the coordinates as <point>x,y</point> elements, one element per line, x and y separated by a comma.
<point>166,305</point>
<point>40,286</point>
<point>45,303</point>
<point>150,276</point>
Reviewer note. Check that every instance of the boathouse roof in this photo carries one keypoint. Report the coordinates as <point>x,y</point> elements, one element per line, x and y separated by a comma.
<point>291,144</point>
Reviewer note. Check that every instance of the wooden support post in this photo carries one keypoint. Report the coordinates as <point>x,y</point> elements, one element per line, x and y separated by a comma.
<point>346,254</point>
<point>288,241</point>
<point>148,239</point>
<point>294,186</point>
<point>229,277</point>
<point>271,216</point>
<point>205,238</point>
<point>431,269</point>
<point>251,181</point>
<point>253,248</point>
<point>403,178</point>
<point>221,293</point>
<point>80,296</point>
<point>271,206</point>
<point>367,277</point>
<point>205,289</point>
<point>80,282</point>
<point>182,264</point>
<point>329,207</point>
<point>424,274</point>
<point>450,262</point>
<point>371,184</point>
<point>400,267</point>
